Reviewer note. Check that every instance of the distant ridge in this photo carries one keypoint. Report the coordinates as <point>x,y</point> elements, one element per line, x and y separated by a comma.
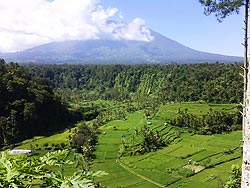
<point>159,50</point>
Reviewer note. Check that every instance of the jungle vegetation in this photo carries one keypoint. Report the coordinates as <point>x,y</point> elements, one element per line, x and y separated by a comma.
<point>216,83</point>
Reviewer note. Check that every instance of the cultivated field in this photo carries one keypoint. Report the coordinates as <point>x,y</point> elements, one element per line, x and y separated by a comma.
<point>191,160</point>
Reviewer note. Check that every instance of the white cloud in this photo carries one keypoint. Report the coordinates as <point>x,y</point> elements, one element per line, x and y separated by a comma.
<point>27,23</point>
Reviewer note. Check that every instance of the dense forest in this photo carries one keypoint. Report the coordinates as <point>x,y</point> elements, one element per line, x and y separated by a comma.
<point>28,106</point>
<point>216,83</point>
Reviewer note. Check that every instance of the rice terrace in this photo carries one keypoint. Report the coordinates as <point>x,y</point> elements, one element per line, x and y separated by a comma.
<point>189,161</point>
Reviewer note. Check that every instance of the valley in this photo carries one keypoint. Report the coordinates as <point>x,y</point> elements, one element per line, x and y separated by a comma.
<point>124,94</point>
<point>126,126</point>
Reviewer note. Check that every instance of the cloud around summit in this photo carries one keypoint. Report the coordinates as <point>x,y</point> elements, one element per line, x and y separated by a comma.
<point>28,23</point>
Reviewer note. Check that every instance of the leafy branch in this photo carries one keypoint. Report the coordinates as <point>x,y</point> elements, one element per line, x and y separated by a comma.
<point>23,171</point>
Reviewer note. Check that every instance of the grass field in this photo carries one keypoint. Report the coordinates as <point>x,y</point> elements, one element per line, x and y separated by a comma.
<point>191,161</point>
<point>39,141</point>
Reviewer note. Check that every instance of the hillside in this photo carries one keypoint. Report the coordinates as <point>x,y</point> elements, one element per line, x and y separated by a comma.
<point>170,82</point>
<point>160,50</point>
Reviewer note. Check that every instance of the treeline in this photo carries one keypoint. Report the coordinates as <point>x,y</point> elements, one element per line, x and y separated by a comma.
<point>28,106</point>
<point>219,83</point>
<point>213,122</point>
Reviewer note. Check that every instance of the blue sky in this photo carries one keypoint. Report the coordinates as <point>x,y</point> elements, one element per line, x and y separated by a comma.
<point>185,22</point>
<point>28,23</point>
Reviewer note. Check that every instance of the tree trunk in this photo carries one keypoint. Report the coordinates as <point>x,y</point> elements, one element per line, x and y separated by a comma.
<point>245,181</point>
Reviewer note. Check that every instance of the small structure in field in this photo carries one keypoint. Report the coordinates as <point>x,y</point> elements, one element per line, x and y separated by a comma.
<point>19,151</point>
<point>195,163</point>
<point>149,123</point>
<point>165,124</point>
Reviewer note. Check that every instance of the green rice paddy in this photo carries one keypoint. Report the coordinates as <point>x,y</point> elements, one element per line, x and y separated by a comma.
<point>191,161</point>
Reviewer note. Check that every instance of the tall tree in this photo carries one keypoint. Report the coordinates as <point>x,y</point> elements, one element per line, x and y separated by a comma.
<point>222,9</point>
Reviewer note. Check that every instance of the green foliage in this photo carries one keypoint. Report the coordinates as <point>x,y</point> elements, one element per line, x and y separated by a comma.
<point>221,8</point>
<point>28,106</point>
<point>84,139</point>
<point>214,122</point>
<point>151,141</point>
<point>217,83</point>
<point>24,171</point>
<point>234,180</point>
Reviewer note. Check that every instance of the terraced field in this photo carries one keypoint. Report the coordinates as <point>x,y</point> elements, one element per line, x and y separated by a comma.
<point>191,160</point>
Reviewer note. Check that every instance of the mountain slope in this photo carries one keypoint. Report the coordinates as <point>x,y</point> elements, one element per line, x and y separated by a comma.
<point>159,50</point>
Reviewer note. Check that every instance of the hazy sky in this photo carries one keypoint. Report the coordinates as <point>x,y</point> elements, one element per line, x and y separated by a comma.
<point>27,23</point>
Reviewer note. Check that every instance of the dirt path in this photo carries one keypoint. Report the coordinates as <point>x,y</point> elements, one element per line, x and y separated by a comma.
<point>138,175</point>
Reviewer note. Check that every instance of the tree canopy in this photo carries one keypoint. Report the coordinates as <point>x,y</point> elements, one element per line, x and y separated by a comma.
<point>221,8</point>
<point>28,106</point>
<point>217,82</point>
